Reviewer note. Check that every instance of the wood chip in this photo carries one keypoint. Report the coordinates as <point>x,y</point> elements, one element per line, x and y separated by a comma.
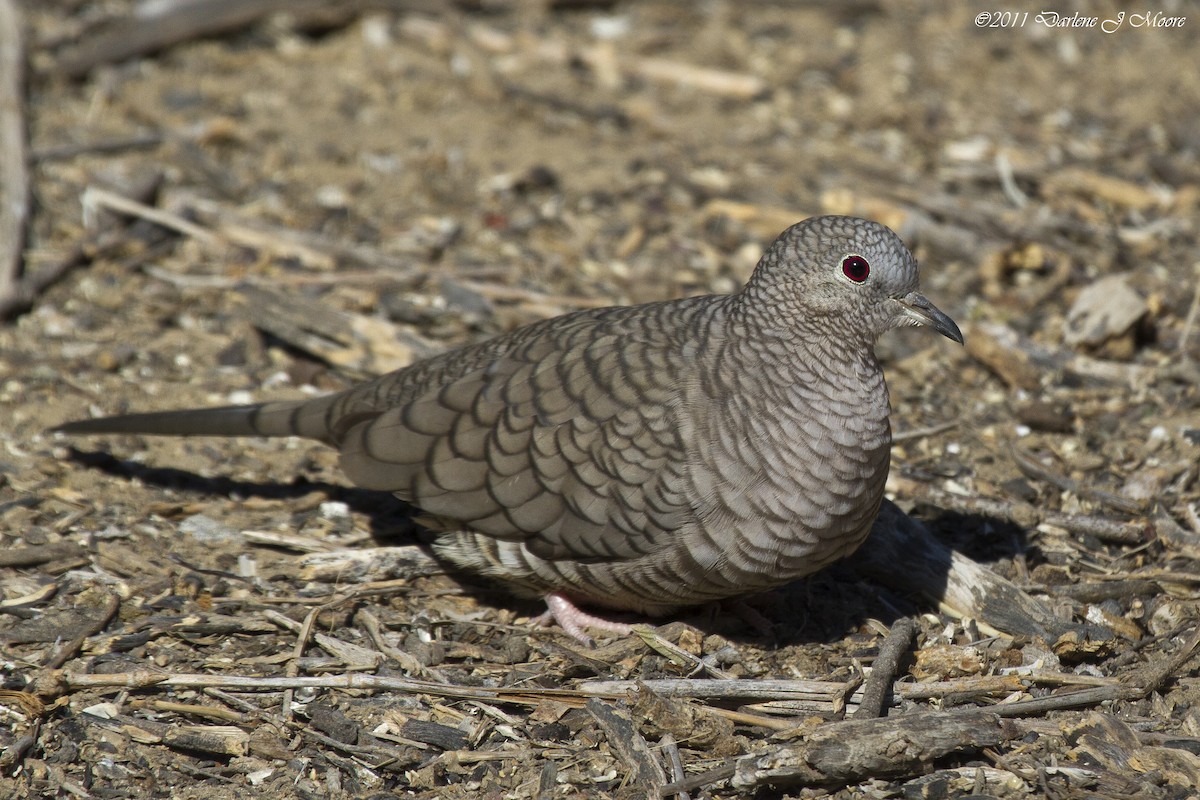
<point>1103,310</point>
<point>1104,188</point>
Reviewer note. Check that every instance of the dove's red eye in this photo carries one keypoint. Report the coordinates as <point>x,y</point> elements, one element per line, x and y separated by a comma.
<point>856,268</point>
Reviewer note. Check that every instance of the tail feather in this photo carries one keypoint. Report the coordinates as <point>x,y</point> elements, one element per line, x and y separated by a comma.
<point>307,418</point>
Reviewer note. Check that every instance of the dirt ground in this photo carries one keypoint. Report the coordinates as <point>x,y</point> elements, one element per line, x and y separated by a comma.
<point>337,195</point>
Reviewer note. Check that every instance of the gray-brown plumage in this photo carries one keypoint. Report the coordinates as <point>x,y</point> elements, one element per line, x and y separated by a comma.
<point>643,458</point>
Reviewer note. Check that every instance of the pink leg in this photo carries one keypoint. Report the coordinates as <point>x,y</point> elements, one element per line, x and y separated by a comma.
<point>573,621</point>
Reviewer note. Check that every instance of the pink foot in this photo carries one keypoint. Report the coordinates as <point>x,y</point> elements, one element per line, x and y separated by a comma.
<point>560,609</point>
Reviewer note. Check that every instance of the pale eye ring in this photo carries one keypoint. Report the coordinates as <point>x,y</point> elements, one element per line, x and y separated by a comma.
<point>856,268</point>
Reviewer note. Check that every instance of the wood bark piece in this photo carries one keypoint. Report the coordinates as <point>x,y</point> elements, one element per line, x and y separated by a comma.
<point>629,746</point>
<point>32,556</point>
<point>843,753</point>
<point>1105,309</point>
<point>355,342</point>
<point>223,740</point>
<point>1107,741</point>
<point>87,618</point>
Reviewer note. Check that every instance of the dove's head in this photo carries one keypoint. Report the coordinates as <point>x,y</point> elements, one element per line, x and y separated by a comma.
<point>843,276</point>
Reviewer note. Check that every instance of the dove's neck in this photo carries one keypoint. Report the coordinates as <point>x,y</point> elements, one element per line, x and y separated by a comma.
<point>815,385</point>
<point>789,345</point>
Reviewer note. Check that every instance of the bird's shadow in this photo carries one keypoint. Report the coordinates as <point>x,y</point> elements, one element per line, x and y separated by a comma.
<point>390,518</point>
<point>843,597</point>
<point>821,608</point>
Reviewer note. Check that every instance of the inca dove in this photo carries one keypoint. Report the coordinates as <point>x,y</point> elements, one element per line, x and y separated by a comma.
<point>643,458</point>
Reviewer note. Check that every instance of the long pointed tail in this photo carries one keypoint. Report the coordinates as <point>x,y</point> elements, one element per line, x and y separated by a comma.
<point>307,418</point>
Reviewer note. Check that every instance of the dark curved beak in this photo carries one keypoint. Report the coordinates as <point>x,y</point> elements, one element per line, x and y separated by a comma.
<point>922,312</point>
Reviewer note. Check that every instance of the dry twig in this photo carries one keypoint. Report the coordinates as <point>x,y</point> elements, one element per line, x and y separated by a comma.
<point>1038,471</point>
<point>96,244</point>
<point>172,24</point>
<point>1146,680</point>
<point>884,669</point>
<point>1027,515</point>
